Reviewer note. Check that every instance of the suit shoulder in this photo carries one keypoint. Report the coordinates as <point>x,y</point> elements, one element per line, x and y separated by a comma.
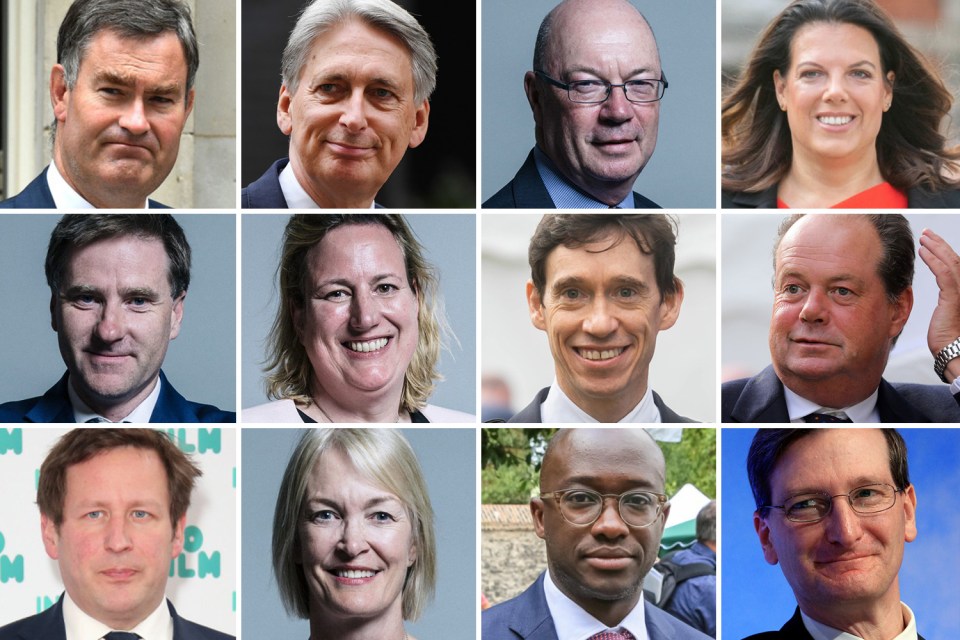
<point>494,621</point>
<point>22,628</point>
<point>199,632</point>
<point>16,410</point>
<point>675,629</point>
<point>210,413</point>
<point>502,199</point>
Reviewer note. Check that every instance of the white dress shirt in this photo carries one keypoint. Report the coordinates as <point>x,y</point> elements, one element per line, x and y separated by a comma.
<point>63,194</point>
<point>798,407</point>
<point>294,193</point>
<point>573,623</point>
<point>79,626</point>
<point>563,193</point>
<point>557,407</point>
<point>83,413</point>
<point>820,631</point>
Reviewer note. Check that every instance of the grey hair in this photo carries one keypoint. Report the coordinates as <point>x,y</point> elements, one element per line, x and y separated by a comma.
<point>322,15</point>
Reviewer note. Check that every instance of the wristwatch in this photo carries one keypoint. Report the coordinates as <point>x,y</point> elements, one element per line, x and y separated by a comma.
<point>946,354</point>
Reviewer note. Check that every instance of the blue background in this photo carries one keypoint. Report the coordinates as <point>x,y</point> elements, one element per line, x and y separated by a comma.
<point>756,596</point>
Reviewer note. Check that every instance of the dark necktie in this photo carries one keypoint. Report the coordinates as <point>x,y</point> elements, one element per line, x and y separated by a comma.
<point>619,634</point>
<point>825,417</point>
<point>121,635</point>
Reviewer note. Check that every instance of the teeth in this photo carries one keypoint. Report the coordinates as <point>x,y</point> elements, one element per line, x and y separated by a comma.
<point>370,345</point>
<point>350,573</point>
<point>593,354</point>
<point>835,120</point>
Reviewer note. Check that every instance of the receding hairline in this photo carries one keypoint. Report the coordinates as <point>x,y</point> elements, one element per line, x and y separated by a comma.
<point>560,438</point>
<point>567,11</point>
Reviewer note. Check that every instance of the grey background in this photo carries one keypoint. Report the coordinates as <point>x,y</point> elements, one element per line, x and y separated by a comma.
<point>683,169</point>
<point>450,244</point>
<point>200,363</point>
<point>449,461</point>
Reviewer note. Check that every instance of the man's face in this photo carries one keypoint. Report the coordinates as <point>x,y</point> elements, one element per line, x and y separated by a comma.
<point>118,128</point>
<point>832,325</point>
<point>601,310</point>
<point>600,566</point>
<point>353,115</point>
<point>116,540</point>
<point>845,559</point>
<point>601,148</point>
<point>114,319</point>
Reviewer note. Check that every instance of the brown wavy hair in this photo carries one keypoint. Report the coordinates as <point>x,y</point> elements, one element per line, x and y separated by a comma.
<point>288,366</point>
<point>911,149</point>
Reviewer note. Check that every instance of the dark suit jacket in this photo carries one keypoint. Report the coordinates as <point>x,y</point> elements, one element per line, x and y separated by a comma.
<point>793,630</point>
<point>767,199</point>
<point>531,413</point>
<point>54,406</point>
<point>48,625</point>
<point>528,617</point>
<point>527,191</point>
<point>761,399</point>
<point>265,191</point>
<point>37,195</point>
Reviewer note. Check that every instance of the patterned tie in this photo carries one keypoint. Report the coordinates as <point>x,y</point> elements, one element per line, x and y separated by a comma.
<point>121,635</point>
<point>826,417</point>
<point>618,634</point>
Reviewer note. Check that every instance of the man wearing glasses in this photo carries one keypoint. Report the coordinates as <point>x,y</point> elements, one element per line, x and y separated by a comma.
<point>834,509</point>
<point>595,92</point>
<point>601,512</point>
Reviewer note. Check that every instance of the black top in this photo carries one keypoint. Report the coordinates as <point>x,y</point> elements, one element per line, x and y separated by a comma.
<point>415,416</point>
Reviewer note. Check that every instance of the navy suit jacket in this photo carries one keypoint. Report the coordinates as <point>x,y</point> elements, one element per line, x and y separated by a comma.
<point>48,625</point>
<point>54,406</point>
<point>531,413</point>
<point>527,617</point>
<point>37,195</point>
<point>793,630</point>
<point>767,199</point>
<point>265,191</point>
<point>527,191</point>
<point>761,399</point>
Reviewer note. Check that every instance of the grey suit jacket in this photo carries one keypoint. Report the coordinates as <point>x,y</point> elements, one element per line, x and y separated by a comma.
<point>48,625</point>
<point>531,413</point>
<point>527,617</point>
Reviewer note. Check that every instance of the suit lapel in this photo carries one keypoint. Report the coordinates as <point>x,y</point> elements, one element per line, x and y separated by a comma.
<point>54,406</point>
<point>171,406</point>
<point>893,407</point>
<point>531,413</point>
<point>762,400</point>
<point>666,413</point>
<point>529,191</point>
<point>531,619</point>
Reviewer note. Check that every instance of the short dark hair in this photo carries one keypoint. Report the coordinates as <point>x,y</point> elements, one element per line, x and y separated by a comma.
<point>82,444</point>
<point>895,267</point>
<point>129,19</point>
<point>707,522</point>
<point>654,233</point>
<point>757,149</point>
<point>769,445</point>
<point>77,230</point>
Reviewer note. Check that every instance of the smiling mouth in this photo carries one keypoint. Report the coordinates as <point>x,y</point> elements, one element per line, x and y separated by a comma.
<point>597,354</point>
<point>354,574</point>
<point>835,121</point>
<point>367,346</point>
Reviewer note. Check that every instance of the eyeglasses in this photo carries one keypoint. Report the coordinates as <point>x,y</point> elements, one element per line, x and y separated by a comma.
<point>813,507</point>
<point>597,91</point>
<point>583,507</point>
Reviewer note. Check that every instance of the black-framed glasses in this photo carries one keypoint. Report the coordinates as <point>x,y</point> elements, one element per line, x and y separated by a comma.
<point>597,91</point>
<point>813,507</point>
<point>583,507</point>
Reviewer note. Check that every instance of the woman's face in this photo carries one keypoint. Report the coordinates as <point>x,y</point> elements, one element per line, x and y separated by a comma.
<point>835,92</point>
<point>359,319</point>
<point>356,543</point>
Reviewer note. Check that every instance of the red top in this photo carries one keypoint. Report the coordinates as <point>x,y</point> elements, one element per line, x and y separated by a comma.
<point>881,196</point>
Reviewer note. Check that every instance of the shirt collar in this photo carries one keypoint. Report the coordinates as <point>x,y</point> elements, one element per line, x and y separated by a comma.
<point>557,407</point>
<point>64,196</point>
<point>864,411</point>
<point>294,193</point>
<point>563,193</point>
<point>820,631</point>
<point>143,412</point>
<point>80,626</point>
<point>572,622</point>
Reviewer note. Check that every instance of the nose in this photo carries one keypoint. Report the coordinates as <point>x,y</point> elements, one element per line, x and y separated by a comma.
<point>814,307</point>
<point>110,326</point>
<point>835,90</point>
<point>353,538</point>
<point>363,312</point>
<point>134,117</point>
<point>600,321</point>
<point>118,538</point>
<point>610,525</point>
<point>354,115</point>
<point>616,108</point>
<point>843,523</point>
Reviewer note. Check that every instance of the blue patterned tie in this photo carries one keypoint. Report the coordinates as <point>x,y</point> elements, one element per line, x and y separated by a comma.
<point>825,418</point>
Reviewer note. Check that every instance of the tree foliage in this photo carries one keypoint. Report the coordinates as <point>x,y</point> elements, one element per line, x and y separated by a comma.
<point>693,460</point>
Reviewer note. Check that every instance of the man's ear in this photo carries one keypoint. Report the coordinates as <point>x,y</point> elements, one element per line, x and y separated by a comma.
<point>190,96</point>
<point>763,532</point>
<point>54,318</point>
<point>283,110</point>
<point>900,310</point>
<point>59,94</point>
<point>178,529</point>
<point>533,94</point>
<point>176,315</point>
<point>910,514</point>
<point>536,510</point>
<point>535,305</point>
<point>670,307</point>
<point>421,118</point>
<point>51,536</point>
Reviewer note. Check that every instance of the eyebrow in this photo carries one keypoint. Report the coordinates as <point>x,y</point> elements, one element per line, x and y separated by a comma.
<point>620,281</point>
<point>323,78</point>
<point>112,77</point>
<point>372,502</point>
<point>861,63</point>
<point>595,72</point>
<point>590,481</point>
<point>859,481</point>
